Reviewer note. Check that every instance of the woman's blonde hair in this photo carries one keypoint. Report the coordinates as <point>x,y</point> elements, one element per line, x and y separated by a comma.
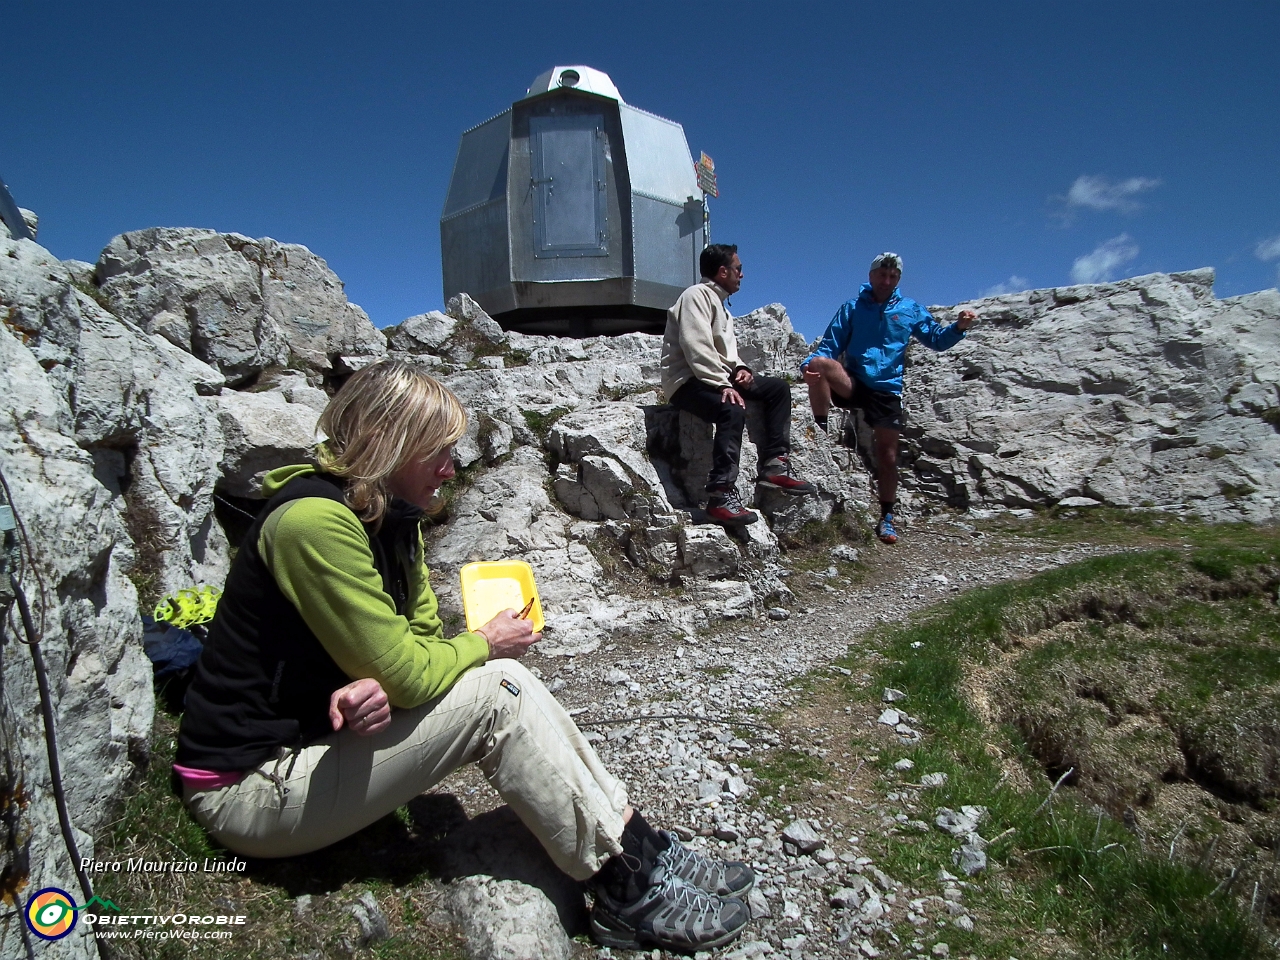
<point>387,415</point>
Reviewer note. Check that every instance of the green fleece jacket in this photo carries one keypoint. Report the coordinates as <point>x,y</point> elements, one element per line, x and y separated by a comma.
<point>319,554</point>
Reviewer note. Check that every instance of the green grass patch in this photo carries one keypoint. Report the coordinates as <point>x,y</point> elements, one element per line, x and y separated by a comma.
<point>150,538</point>
<point>388,859</point>
<point>621,391</point>
<point>452,491</point>
<point>776,770</point>
<point>541,423</point>
<point>1136,528</point>
<point>1152,650</point>
<point>836,529</point>
<point>96,294</point>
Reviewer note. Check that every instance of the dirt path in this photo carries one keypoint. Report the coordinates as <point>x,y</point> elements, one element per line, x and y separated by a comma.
<point>680,726</point>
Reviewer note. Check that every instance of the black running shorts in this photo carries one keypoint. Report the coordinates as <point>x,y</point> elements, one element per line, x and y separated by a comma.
<point>881,409</point>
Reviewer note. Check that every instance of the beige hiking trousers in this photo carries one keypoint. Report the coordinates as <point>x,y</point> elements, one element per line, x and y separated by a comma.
<point>497,714</point>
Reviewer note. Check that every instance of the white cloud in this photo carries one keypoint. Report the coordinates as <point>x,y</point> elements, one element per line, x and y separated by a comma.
<point>1099,193</point>
<point>1104,261</point>
<point>1014,284</point>
<point>1268,249</point>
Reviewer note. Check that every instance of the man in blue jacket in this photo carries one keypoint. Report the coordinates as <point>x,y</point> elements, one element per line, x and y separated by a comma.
<point>872,331</point>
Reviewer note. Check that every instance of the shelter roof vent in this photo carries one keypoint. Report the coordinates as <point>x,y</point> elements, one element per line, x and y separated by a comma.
<point>577,77</point>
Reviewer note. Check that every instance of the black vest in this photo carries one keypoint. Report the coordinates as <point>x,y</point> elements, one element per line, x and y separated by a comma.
<point>264,680</point>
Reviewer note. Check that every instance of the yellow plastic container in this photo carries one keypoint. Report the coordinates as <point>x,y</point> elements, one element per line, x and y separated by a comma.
<point>491,586</point>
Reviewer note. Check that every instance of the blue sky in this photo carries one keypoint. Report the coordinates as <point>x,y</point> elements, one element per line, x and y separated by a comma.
<point>1024,144</point>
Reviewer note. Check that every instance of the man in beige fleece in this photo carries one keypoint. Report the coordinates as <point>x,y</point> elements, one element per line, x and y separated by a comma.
<point>701,373</point>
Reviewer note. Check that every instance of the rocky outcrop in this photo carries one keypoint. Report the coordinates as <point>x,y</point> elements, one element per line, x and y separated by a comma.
<point>587,472</point>
<point>240,305</point>
<point>995,423</point>
<point>1142,393</point>
<point>75,552</point>
<point>506,896</point>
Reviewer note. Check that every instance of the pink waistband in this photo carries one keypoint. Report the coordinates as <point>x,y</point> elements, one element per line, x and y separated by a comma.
<point>207,779</point>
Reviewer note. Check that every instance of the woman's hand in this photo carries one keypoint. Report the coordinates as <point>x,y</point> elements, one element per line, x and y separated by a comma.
<point>509,636</point>
<point>361,706</point>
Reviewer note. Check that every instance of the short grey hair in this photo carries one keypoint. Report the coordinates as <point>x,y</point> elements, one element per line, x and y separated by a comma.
<point>890,261</point>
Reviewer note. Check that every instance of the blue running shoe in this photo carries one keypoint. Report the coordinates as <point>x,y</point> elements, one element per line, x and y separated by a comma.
<point>885,530</point>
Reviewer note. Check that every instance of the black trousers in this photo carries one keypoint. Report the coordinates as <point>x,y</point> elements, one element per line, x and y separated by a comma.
<point>773,395</point>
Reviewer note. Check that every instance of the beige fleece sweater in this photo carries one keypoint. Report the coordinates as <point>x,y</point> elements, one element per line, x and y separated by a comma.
<point>699,342</point>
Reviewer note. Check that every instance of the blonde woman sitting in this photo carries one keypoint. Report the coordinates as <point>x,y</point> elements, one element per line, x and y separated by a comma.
<point>328,695</point>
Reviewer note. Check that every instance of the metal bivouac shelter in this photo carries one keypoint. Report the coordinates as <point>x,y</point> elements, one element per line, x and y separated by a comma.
<point>572,212</point>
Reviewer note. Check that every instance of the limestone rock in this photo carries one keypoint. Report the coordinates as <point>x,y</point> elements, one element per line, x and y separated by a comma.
<point>462,307</point>
<point>846,897</point>
<point>768,344</point>
<point>371,919</point>
<point>525,524</point>
<point>1145,392</point>
<point>505,893</point>
<point>425,333</point>
<point>962,823</point>
<point>708,552</point>
<point>29,220</point>
<point>83,603</point>
<point>83,274</point>
<point>262,431</point>
<point>507,920</point>
<point>465,336</point>
<point>138,405</point>
<point>970,858</point>
<point>240,305</point>
<point>802,835</point>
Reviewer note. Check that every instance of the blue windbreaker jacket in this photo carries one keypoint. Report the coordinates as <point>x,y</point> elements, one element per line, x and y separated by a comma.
<point>873,337</point>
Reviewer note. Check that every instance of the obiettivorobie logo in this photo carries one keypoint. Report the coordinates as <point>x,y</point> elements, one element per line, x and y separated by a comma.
<point>51,913</point>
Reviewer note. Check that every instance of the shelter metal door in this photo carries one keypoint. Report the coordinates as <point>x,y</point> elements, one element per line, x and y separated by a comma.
<point>570,210</point>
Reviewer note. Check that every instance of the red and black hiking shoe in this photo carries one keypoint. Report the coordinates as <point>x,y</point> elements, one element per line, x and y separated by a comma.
<point>725,508</point>
<point>776,473</point>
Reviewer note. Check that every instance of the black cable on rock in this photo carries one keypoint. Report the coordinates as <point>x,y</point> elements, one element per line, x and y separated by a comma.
<point>50,734</point>
<point>50,737</point>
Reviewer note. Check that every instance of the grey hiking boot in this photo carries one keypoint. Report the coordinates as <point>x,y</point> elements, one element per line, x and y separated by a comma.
<point>671,914</point>
<point>724,878</point>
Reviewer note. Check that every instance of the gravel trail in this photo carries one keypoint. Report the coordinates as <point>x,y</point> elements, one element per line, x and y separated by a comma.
<point>677,724</point>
